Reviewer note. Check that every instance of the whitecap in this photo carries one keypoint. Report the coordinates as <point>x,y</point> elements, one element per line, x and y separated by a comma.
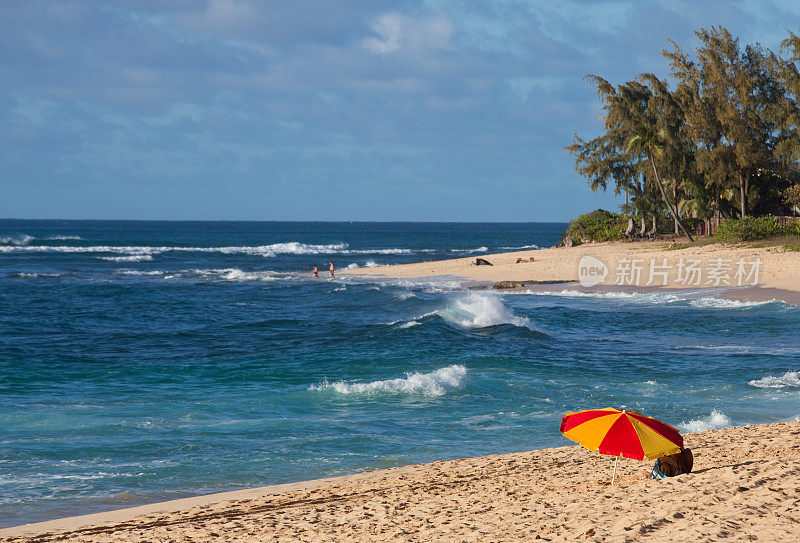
<point>636,297</point>
<point>19,244</point>
<point>409,324</point>
<point>522,247</point>
<point>20,240</point>
<point>714,421</point>
<point>788,379</point>
<point>137,272</point>
<point>63,238</point>
<point>371,264</point>
<point>435,383</point>
<point>352,266</point>
<point>479,310</point>
<point>482,249</point>
<point>128,258</point>
<point>235,274</point>
<point>722,303</point>
<point>23,275</point>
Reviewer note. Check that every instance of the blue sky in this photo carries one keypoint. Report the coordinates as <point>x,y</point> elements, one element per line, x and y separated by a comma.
<point>323,109</point>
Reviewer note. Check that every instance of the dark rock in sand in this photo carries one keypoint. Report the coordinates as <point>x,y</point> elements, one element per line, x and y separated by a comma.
<point>565,241</point>
<point>520,284</point>
<point>482,262</point>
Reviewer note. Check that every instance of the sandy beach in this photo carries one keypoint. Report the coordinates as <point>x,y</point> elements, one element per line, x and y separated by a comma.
<point>744,487</point>
<point>778,274</point>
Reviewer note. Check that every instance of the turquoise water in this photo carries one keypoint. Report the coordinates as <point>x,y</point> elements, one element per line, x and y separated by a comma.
<point>144,361</point>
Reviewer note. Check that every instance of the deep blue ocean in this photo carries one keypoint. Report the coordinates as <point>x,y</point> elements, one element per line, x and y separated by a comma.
<point>146,361</point>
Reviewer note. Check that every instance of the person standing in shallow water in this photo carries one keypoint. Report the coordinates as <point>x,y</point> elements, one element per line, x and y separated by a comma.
<point>316,272</point>
<point>331,268</point>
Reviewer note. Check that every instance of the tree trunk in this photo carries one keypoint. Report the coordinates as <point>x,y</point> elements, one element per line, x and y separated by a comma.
<point>744,182</point>
<point>664,195</point>
<point>644,228</point>
<point>654,224</point>
<point>741,196</point>
<point>675,199</point>
<point>716,205</point>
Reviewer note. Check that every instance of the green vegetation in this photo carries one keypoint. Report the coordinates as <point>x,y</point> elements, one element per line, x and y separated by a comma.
<point>748,228</point>
<point>792,247</point>
<point>599,225</point>
<point>719,139</point>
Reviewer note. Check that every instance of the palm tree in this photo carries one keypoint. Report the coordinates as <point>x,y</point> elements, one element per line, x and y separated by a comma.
<point>651,142</point>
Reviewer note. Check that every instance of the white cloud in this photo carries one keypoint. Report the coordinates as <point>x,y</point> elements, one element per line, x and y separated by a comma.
<point>393,32</point>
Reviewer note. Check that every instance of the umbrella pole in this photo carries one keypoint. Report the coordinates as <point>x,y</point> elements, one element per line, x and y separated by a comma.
<point>614,475</point>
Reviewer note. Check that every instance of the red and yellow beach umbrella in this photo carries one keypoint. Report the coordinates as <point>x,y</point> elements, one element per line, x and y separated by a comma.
<point>618,433</point>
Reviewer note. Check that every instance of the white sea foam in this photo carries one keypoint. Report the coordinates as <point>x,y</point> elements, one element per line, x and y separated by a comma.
<point>722,303</point>
<point>478,250</point>
<point>352,266</point>
<point>788,379</point>
<point>435,383</point>
<point>235,274</point>
<point>522,247</point>
<point>409,324</point>
<point>371,264</point>
<point>63,238</point>
<point>23,275</point>
<point>637,297</point>
<point>405,295</point>
<point>20,240</point>
<point>128,258</point>
<point>137,272</point>
<point>706,302</point>
<point>19,244</point>
<point>479,310</point>
<point>423,285</point>
<point>223,274</point>
<point>714,421</point>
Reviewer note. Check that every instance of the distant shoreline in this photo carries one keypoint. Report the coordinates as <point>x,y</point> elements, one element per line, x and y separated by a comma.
<point>778,274</point>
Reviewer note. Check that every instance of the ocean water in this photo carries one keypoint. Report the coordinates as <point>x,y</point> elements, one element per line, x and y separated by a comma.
<point>145,361</point>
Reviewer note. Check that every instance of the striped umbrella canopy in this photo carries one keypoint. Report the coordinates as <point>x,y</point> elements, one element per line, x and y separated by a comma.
<point>618,433</point>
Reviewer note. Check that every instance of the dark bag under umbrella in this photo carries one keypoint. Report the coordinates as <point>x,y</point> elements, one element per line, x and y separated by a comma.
<point>672,465</point>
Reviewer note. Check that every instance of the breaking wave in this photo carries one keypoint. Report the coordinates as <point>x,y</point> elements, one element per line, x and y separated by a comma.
<point>479,310</point>
<point>409,324</point>
<point>435,383</point>
<point>522,247</point>
<point>222,274</point>
<point>706,302</point>
<point>714,421</point>
<point>128,258</point>
<point>641,297</point>
<point>17,241</point>
<point>788,379</point>
<point>478,250</point>
<point>137,272</point>
<point>20,244</point>
<point>723,303</point>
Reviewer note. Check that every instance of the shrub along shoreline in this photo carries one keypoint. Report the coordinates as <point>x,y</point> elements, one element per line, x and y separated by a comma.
<point>601,225</point>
